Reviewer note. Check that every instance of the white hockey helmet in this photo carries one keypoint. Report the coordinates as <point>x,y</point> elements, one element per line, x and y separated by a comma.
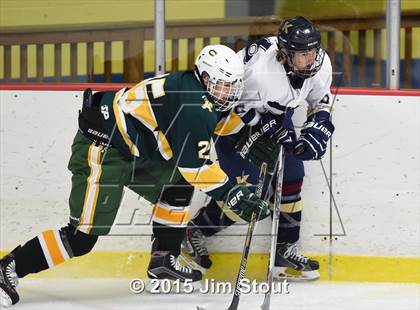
<point>221,72</point>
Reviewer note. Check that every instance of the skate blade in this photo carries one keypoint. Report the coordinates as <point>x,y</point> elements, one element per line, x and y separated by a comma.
<point>292,275</point>
<point>167,286</point>
<point>187,260</point>
<point>5,300</point>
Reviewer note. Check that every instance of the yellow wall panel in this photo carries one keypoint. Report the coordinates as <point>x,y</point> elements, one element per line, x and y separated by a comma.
<point>324,8</point>
<point>65,59</point>
<point>117,57</point>
<point>410,4</point>
<point>168,56</point>
<point>182,47</point>
<point>98,57</point>
<point>369,43</point>
<point>198,46</point>
<point>31,60</point>
<point>149,53</point>
<point>214,40</point>
<point>48,60</point>
<point>81,58</point>
<point>43,12</point>
<point>194,9</point>
<point>15,54</point>
<point>416,42</point>
<point>47,12</point>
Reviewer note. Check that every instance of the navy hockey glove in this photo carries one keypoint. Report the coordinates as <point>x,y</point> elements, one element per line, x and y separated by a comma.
<point>244,203</point>
<point>313,140</point>
<point>285,136</point>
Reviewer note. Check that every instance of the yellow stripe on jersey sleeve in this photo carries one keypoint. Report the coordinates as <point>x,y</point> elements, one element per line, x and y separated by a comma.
<point>144,112</point>
<point>230,125</point>
<point>164,147</point>
<point>136,103</point>
<point>132,98</point>
<point>206,178</point>
<point>122,127</point>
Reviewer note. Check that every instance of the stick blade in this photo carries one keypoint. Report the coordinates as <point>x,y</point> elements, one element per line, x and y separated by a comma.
<point>265,305</point>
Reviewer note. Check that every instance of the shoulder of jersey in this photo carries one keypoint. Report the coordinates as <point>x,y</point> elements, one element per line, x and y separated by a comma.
<point>190,90</point>
<point>180,78</point>
<point>263,47</point>
<point>184,83</point>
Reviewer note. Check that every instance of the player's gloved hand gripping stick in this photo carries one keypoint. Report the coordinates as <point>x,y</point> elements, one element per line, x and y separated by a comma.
<point>262,143</point>
<point>242,267</point>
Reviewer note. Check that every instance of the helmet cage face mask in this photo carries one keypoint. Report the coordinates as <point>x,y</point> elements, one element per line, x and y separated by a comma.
<point>224,94</point>
<point>307,72</point>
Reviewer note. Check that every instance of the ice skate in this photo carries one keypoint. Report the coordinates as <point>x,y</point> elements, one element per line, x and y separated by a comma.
<point>294,266</point>
<point>194,249</point>
<point>166,268</point>
<point>8,281</point>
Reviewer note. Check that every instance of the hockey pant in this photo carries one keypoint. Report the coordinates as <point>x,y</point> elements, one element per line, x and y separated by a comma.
<point>98,180</point>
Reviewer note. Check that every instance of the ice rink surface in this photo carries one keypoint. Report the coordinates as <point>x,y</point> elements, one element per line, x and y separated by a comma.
<point>115,294</point>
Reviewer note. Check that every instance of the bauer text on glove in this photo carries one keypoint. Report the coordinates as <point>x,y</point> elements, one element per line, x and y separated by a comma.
<point>244,203</point>
<point>258,148</point>
<point>314,137</point>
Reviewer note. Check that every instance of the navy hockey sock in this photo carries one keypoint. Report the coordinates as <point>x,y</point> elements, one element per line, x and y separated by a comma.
<point>289,227</point>
<point>211,219</point>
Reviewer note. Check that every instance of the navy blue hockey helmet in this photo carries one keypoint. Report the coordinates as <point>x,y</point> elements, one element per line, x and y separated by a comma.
<point>298,34</point>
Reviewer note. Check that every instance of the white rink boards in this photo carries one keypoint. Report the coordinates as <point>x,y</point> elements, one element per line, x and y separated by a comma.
<point>375,177</point>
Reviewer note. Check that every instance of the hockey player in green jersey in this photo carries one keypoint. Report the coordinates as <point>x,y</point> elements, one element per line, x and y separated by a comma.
<point>154,139</point>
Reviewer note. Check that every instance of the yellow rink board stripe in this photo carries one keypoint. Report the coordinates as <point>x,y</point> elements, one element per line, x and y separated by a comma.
<point>225,266</point>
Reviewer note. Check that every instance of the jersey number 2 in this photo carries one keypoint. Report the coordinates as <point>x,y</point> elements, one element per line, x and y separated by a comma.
<point>204,150</point>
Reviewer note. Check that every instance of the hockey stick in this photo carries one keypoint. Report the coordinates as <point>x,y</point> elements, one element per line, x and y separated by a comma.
<point>274,228</point>
<point>244,260</point>
<point>242,267</point>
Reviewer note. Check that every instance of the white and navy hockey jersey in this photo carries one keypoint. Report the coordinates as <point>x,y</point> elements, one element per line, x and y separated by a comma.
<point>268,89</point>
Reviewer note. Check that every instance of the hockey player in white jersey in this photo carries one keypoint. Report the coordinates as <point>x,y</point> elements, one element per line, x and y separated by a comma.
<point>281,73</point>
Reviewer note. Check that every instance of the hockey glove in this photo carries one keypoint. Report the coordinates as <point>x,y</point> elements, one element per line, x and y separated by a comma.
<point>286,137</point>
<point>244,203</point>
<point>312,143</point>
<point>258,149</point>
<point>90,118</point>
<point>262,142</point>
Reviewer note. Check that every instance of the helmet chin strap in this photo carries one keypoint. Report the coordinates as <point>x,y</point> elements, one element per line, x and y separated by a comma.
<point>290,70</point>
<point>199,77</point>
<point>203,84</point>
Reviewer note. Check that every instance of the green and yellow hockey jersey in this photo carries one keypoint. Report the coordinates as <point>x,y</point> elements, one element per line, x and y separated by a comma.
<point>169,117</point>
